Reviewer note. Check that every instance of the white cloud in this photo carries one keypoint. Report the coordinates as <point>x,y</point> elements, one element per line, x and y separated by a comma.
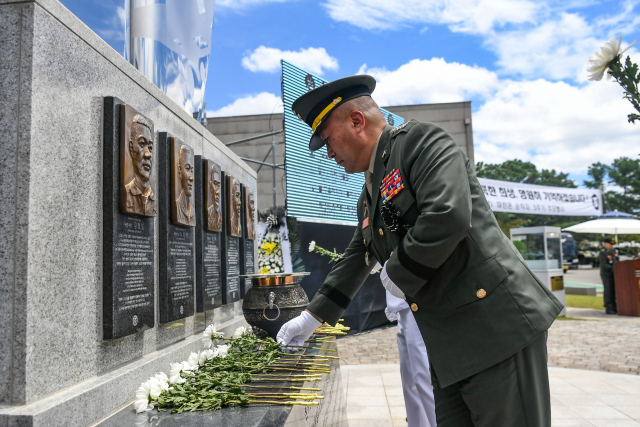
<point>559,47</point>
<point>262,103</point>
<point>267,59</point>
<point>430,81</point>
<point>115,26</point>
<point>552,124</point>
<point>241,4</point>
<point>469,16</point>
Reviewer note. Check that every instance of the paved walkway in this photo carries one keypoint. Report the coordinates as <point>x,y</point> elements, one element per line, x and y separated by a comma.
<point>581,397</point>
<point>603,343</point>
<point>578,398</point>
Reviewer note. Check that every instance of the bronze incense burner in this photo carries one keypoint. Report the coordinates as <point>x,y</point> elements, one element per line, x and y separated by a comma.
<point>273,300</point>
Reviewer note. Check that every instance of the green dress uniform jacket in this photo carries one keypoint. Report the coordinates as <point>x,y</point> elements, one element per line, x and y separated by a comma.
<point>473,297</point>
<point>606,259</point>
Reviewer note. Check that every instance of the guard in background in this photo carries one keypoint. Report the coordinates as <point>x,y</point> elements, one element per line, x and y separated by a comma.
<point>414,365</point>
<point>606,258</point>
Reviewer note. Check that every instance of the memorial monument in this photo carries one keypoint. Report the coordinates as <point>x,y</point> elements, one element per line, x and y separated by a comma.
<point>87,276</point>
<point>231,254</point>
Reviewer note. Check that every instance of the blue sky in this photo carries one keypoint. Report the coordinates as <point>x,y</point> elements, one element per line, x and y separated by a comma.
<point>522,64</point>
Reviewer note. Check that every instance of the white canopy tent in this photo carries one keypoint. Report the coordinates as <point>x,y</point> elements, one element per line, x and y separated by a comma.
<point>608,225</point>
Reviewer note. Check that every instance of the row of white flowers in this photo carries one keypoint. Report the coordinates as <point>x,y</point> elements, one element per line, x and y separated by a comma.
<point>149,391</point>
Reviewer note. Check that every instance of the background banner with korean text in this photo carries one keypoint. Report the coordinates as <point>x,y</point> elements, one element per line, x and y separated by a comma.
<point>504,196</point>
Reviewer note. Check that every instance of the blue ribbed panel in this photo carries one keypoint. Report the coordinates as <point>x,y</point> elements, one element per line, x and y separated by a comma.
<point>316,186</point>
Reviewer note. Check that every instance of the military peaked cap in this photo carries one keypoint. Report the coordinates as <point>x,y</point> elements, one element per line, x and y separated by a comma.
<point>315,106</point>
<point>609,240</point>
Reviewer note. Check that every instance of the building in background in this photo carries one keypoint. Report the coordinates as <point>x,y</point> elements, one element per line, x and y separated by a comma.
<point>455,118</point>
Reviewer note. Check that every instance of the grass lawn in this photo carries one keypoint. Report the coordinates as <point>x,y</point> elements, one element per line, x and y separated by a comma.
<point>585,301</point>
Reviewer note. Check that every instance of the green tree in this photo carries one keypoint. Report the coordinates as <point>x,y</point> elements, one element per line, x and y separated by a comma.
<point>625,174</point>
<point>598,172</point>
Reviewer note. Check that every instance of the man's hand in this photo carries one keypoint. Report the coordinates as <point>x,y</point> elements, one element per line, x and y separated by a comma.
<point>297,331</point>
<point>389,285</point>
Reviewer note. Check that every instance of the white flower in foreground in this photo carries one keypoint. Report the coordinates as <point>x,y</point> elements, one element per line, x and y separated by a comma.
<point>162,377</point>
<point>193,359</point>
<point>599,62</point>
<point>209,334</point>
<point>239,331</point>
<point>157,386</point>
<point>143,402</point>
<point>208,354</point>
<point>223,350</point>
<point>312,245</point>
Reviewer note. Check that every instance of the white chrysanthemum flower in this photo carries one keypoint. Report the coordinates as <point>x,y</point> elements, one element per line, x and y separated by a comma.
<point>209,336</point>
<point>312,245</point>
<point>174,374</point>
<point>239,331</point>
<point>143,398</point>
<point>599,63</point>
<point>157,385</point>
<point>208,354</point>
<point>223,350</point>
<point>193,359</point>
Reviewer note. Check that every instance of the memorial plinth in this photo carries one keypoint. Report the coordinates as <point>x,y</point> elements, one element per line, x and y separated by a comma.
<point>330,412</point>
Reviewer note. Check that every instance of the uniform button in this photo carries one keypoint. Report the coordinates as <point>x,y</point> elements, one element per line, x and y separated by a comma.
<point>365,241</point>
<point>414,307</point>
<point>380,231</point>
<point>481,293</point>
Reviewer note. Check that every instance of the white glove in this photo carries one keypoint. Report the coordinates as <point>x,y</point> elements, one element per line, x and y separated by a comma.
<point>389,285</point>
<point>296,331</point>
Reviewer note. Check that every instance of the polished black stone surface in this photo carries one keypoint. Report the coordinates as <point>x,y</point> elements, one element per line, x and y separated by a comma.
<point>176,273</point>
<point>230,256</point>
<point>248,264</point>
<point>128,252</point>
<point>208,253</point>
<point>331,411</point>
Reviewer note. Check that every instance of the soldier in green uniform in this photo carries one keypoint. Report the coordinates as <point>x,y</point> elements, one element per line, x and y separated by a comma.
<point>606,258</point>
<point>422,214</point>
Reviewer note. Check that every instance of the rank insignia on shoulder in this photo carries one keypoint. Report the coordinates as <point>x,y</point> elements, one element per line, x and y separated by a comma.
<point>391,185</point>
<point>398,128</point>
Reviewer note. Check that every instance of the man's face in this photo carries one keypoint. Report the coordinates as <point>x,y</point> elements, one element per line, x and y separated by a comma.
<point>340,135</point>
<point>608,246</point>
<point>214,184</point>
<point>186,172</point>
<point>236,197</point>
<point>252,207</point>
<point>141,149</point>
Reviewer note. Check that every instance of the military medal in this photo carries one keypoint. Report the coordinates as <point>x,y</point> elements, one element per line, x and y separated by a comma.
<point>366,257</point>
<point>391,185</point>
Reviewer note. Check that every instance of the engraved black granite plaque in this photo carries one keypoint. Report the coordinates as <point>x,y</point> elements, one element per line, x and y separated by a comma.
<point>230,255</point>
<point>247,261</point>
<point>128,251</point>
<point>176,243</point>
<point>208,254</point>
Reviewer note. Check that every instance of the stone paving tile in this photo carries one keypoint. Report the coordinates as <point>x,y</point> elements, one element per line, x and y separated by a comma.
<point>599,343</point>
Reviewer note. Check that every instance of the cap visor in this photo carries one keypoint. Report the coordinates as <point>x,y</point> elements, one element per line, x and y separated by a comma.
<point>316,142</point>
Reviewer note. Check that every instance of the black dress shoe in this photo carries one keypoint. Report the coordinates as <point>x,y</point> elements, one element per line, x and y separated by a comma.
<point>611,311</point>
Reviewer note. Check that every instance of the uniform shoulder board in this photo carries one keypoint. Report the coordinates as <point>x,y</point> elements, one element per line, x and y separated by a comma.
<point>397,129</point>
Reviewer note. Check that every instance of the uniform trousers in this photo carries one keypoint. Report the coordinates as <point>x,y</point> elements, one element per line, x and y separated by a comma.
<point>414,365</point>
<point>609,293</point>
<point>512,393</point>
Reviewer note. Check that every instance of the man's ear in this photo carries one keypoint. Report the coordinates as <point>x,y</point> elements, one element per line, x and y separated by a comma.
<point>130,146</point>
<point>357,120</point>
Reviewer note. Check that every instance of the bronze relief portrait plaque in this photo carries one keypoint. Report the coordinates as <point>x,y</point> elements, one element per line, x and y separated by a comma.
<point>234,204</point>
<point>249,214</point>
<point>212,195</point>
<point>137,195</point>
<point>183,211</point>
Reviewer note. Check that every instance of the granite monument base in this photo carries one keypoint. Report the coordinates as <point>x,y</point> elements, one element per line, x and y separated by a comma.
<point>331,411</point>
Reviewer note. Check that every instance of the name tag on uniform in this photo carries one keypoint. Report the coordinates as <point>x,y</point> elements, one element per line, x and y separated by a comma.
<point>365,223</point>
